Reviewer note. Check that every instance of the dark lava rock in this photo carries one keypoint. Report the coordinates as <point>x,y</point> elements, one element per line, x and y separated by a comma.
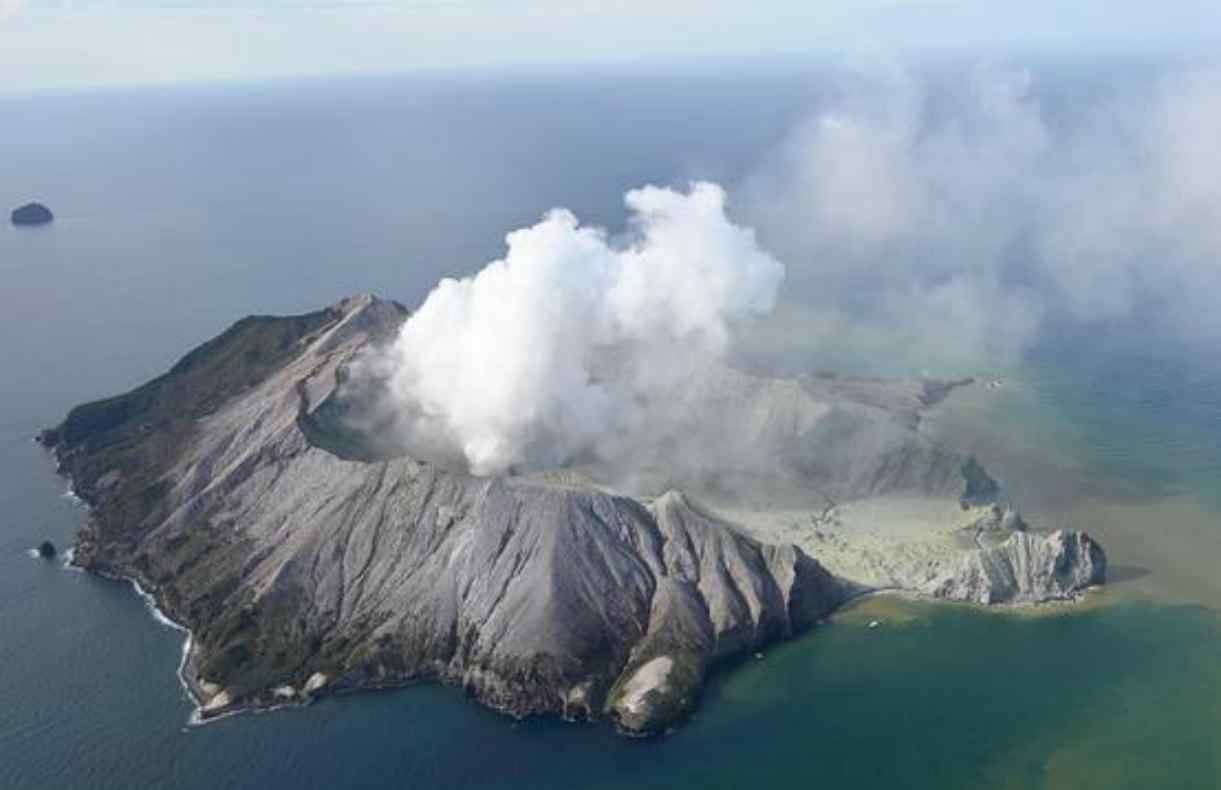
<point>981,488</point>
<point>46,549</point>
<point>48,438</point>
<point>32,214</point>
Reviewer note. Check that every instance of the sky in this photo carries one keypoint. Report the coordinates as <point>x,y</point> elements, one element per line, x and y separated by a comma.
<point>72,44</point>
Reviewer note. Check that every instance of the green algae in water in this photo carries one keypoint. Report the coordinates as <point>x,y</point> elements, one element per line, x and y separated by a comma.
<point>943,697</point>
<point>937,696</point>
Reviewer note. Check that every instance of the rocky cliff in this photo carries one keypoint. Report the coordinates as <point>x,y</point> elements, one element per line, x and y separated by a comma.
<point>1024,568</point>
<point>304,562</point>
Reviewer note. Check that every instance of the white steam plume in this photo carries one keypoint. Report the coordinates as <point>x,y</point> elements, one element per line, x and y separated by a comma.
<point>552,353</point>
<point>933,223</point>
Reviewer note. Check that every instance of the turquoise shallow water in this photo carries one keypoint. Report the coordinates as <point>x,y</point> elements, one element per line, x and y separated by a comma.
<point>1122,693</point>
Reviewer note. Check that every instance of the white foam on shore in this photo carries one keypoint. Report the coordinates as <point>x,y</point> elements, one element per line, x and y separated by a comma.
<point>196,717</point>
<point>33,553</point>
<point>158,615</point>
<point>151,602</point>
<point>70,560</point>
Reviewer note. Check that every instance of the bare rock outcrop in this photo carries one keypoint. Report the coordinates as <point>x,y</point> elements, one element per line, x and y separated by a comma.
<point>1025,568</point>
<point>31,214</point>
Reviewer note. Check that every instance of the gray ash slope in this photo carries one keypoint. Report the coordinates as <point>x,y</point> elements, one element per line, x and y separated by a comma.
<point>301,569</point>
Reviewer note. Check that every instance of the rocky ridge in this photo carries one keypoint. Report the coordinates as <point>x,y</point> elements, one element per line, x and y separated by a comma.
<point>1024,568</point>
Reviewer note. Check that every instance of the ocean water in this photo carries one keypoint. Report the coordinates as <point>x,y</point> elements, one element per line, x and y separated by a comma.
<point>181,210</point>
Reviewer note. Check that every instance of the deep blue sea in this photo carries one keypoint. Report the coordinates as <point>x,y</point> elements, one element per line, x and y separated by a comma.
<point>180,210</point>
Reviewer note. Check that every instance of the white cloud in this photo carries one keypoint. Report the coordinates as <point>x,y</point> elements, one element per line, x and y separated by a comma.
<point>10,8</point>
<point>958,216</point>
<point>88,42</point>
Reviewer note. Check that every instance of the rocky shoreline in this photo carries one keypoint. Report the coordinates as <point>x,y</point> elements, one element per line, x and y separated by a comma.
<point>203,713</point>
<point>230,490</point>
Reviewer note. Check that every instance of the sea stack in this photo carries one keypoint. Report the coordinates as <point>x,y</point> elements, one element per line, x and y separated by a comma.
<point>46,549</point>
<point>32,214</point>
